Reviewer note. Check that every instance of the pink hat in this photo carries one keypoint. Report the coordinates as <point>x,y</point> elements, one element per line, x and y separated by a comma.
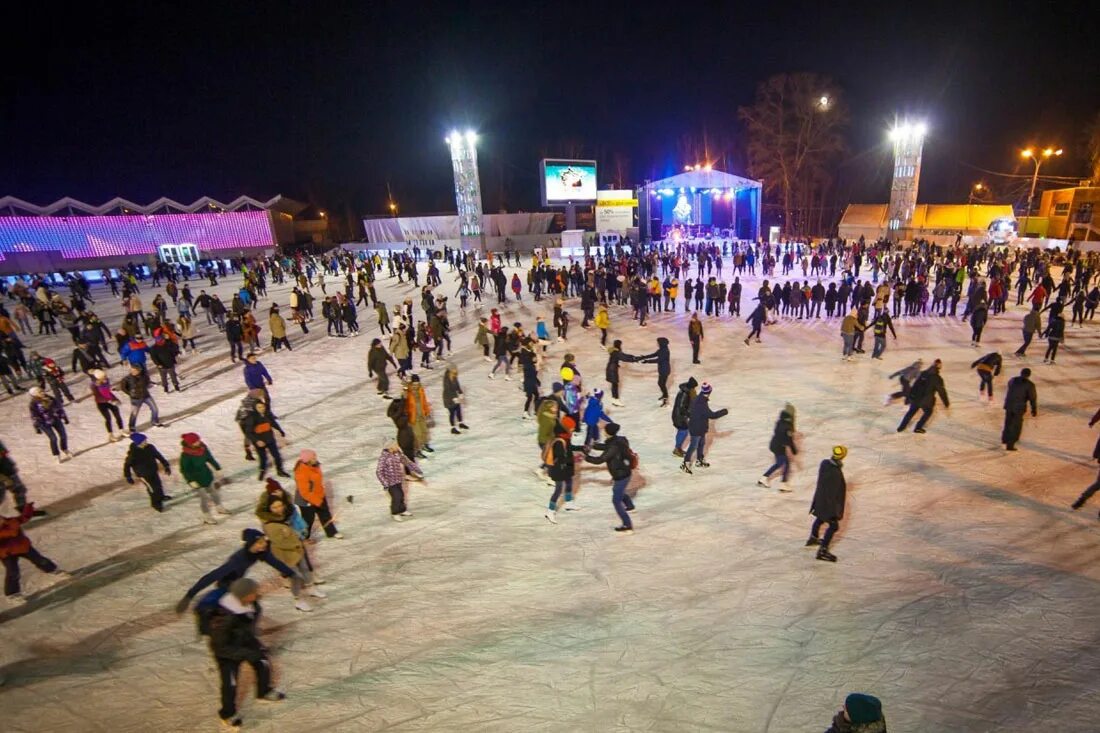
<point>307,456</point>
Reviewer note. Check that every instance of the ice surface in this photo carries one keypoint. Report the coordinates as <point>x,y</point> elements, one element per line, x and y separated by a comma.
<point>965,596</point>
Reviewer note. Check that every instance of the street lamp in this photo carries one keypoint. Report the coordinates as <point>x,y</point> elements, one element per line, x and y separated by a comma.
<point>978,192</point>
<point>1037,157</point>
<point>393,208</point>
<point>823,102</point>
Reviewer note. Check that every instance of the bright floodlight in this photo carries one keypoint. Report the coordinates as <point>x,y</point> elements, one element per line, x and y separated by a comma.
<point>471,137</point>
<point>920,129</point>
<point>708,167</point>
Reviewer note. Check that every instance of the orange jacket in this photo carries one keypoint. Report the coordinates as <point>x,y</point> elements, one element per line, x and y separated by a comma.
<point>425,408</point>
<point>310,483</point>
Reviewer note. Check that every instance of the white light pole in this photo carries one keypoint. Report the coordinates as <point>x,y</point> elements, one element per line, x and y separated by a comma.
<point>1037,158</point>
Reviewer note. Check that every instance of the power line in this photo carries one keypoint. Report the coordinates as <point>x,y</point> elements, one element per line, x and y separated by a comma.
<point>1052,179</point>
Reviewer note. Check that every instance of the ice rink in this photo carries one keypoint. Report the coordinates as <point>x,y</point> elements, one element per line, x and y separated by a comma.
<point>965,596</point>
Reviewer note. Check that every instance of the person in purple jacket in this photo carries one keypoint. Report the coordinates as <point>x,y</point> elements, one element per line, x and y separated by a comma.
<point>49,417</point>
<point>256,377</point>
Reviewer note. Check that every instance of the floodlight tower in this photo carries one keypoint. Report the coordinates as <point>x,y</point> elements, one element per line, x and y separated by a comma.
<point>908,139</point>
<point>467,189</point>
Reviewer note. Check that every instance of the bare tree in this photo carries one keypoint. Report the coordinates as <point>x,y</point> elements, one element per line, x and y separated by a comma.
<point>795,132</point>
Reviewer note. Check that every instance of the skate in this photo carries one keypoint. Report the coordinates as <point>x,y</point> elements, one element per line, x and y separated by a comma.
<point>824,554</point>
<point>813,542</point>
<point>209,519</point>
<point>685,467</point>
<point>764,481</point>
<point>571,507</point>
<point>678,452</point>
<point>617,402</point>
<point>273,696</point>
<point>218,509</point>
<point>625,530</point>
<point>784,488</point>
<point>316,593</point>
<point>231,723</point>
<point>922,431</point>
<point>1076,505</point>
<point>463,426</point>
<point>702,464</point>
<point>491,376</point>
<point>113,437</point>
<point>303,606</point>
<point>456,431</point>
<point>551,516</point>
<point>249,457</point>
<point>396,517</point>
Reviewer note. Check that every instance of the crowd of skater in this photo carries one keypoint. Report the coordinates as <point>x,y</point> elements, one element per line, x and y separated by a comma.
<point>862,286</point>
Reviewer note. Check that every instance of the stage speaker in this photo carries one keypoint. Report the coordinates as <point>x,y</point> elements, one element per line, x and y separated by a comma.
<point>655,228</point>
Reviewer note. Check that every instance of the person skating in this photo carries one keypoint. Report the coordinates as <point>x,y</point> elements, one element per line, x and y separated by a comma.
<point>620,462</point>
<point>142,459</point>
<point>418,410</point>
<point>695,335</point>
<point>257,377</point>
<point>11,483</point>
<point>906,376</point>
<point>1055,334</point>
<point>1032,325</point>
<point>593,414</point>
<point>922,396</point>
<point>377,359</point>
<point>1087,493</point>
<point>259,427</point>
<point>197,466</point>
<point>254,548</point>
<point>756,318</point>
<point>284,528</point>
<point>698,426</point>
<point>681,414</point>
<point>662,357</point>
<point>558,458</point>
<point>879,327</point>
<point>860,714</point>
<point>135,385</point>
<point>827,506</point>
<point>48,417</point>
<point>500,352</point>
<point>781,442</point>
<point>1020,394</point>
<point>16,546</point>
<point>988,366</point>
<point>393,466</point>
<point>615,356</point>
<point>310,497</point>
<point>165,352</point>
<point>233,640</point>
<point>106,402</point>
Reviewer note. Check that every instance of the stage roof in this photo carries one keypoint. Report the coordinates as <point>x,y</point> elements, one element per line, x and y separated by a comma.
<point>705,179</point>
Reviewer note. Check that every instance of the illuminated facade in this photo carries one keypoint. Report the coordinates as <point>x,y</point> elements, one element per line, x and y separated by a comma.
<point>467,188</point>
<point>908,144</point>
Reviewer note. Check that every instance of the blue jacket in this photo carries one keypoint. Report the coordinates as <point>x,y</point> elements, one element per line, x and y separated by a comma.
<point>255,374</point>
<point>134,352</point>
<point>236,567</point>
<point>701,415</point>
<point>593,412</point>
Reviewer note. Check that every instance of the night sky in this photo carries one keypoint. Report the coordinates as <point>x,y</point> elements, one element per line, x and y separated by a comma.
<point>330,102</point>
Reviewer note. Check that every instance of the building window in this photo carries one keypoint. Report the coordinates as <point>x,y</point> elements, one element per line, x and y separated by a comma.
<point>1061,209</point>
<point>1084,213</point>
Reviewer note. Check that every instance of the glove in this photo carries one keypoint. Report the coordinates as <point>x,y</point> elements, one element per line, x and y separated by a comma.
<point>129,480</point>
<point>183,604</point>
<point>38,431</point>
<point>282,433</point>
<point>194,485</point>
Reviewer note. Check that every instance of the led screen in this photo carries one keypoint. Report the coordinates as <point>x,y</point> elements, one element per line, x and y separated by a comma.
<point>568,181</point>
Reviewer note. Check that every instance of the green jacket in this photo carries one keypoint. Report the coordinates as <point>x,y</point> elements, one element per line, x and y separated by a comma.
<point>196,469</point>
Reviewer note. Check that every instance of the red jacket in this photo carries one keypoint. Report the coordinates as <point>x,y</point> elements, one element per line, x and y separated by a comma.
<point>12,540</point>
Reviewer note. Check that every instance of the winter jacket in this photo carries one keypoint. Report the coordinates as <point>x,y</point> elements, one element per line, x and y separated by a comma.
<point>255,375</point>
<point>233,630</point>
<point>701,415</point>
<point>614,356</point>
<point>561,452</point>
<point>260,428</point>
<point>164,354</point>
<point>783,435</point>
<point>616,455</point>
<point>391,468</point>
<point>286,545</point>
<point>661,357</point>
<point>452,390</point>
<point>83,361</point>
<point>13,542</point>
<point>377,358</point>
<point>1020,393</point>
<point>310,483</point>
<point>142,460</point>
<point>991,362</point>
<point>133,351</point>
<point>234,332</point>
<point>593,412</point>
<point>136,387</point>
<point>547,418</point>
<point>277,325</point>
<point>46,412</point>
<point>1056,329</point>
<point>102,393</point>
<point>195,466</point>
<point>924,390</point>
<point>831,491</point>
<point>681,406</point>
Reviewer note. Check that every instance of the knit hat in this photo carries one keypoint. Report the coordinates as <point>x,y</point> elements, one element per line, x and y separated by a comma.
<point>273,486</point>
<point>568,423</point>
<point>99,374</point>
<point>612,428</point>
<point>789,409</point>
<point>35,392</point>
<point>137,438</point>
<point>706,388</point>
<point>598,394</point>
<point>1025,373</point>
<point>250,535</point>
<point>307,456</point>
<point>557,387</point>
<point>840,452</point>
<point>243,587</point>
<point>863,708</point>
<point>191,438</point>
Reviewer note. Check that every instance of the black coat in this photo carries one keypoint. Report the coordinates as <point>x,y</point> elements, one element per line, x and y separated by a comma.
<point>1021,392</point>
<point>928,385</point>
<point>614,357</point>
<point>701,415</point>
<point>616,454</point>
<point>143,461</point>
<point>377,358</point>
<point>681,406</point>
<point>233,635</point>
<point>662,357</point>
<point>831,492</point>
<point>561,452</point>
<point>783,435</point>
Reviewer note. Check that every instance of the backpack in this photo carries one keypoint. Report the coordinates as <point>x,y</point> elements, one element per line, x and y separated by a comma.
<point>548,452</point>
<point>633,457</point>
<point>206,608</point>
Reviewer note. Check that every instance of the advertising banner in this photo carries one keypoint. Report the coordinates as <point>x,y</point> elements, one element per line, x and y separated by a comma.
<point>615,210</point>
<point>568,182</point>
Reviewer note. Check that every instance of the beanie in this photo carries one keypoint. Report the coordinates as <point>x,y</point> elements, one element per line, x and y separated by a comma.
<point>250,535</point>
<point>706,388</point>
<point>568,423</point>
<point>273,486</point>
<point>242,587</point>
<point>137,438</point>
<point>863,708</point>
<point>191,438</point>
<point>557,387</point>
<point>840,452</point>
<point>612,428</point>
<point>307,456</point>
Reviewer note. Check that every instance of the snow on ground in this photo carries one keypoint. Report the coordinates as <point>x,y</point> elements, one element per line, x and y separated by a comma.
<point>965,595</point>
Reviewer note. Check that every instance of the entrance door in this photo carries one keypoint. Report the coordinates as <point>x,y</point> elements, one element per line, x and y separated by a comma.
<point>169,254</point>
<point>188,255</point>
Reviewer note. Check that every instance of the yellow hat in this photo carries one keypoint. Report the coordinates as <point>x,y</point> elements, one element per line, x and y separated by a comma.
<point>567,374</point>
<point>839,452</point>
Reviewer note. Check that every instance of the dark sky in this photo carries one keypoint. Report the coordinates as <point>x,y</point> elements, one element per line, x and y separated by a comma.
<point>329,101</point>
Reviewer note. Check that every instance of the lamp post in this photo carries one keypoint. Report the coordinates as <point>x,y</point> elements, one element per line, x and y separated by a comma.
<point>1036,157</point>
<point>393,208</point>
